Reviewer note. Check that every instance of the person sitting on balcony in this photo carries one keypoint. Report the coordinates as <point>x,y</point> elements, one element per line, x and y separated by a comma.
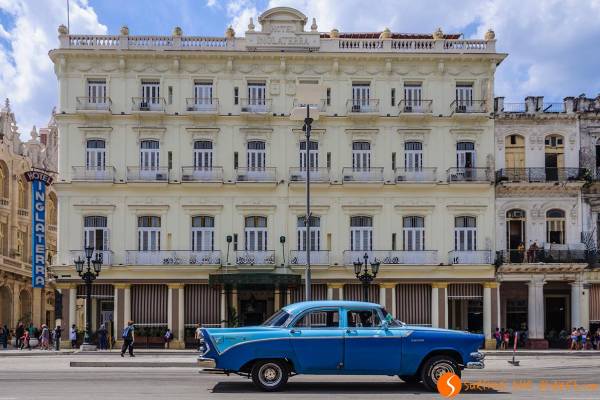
<point>521,252</point>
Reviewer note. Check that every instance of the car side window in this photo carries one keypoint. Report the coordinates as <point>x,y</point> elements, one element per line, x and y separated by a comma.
<point>318,319</point>
<point>363,318</point>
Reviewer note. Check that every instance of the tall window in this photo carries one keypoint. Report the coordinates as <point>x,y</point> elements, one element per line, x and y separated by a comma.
<point>413,233</point>
<point>149,155</point>
<point>255,233</point>
<point>257,94</point>
<point>4,181</point>
<point>314,155</point>
<point>51,210</point>
<point>555,226</point>
<point>361,233</point>
<point>256,156</point>
<point>22,243</point>
<point>148,233</point>
<point>315,233</point>
<point>3,238</point>
<point>96,91</point>
<point>361,155</point>
<point>95,154</point>
<point>203,233</point>
<point>361,93</point>
<point>412,95</point>
<point>465,233</point>
<point>95,232</point>
<point>203,94</point>
<point>464,96</point>
<point>23,200</point>
<point>150,94</point>
<point>465,155</point>
<point>554,156</point>
<point>413,155</point>
<point>203,154</point>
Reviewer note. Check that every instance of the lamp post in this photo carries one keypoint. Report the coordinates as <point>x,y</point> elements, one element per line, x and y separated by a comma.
<point>308,95</point>
<point>92,270</point>
<point>364,276</point>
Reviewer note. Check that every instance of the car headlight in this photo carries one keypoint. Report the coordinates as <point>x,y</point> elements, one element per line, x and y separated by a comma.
<point>204,347</point>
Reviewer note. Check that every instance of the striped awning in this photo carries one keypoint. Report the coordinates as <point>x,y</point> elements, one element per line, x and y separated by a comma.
<point>413,303</point>
<point>465,291</point>
<point>99,291</point>
<point>595,302</point>
<point>318,292</point>
<point>355,292</point>
<point>202,305</point>
<point>149,304</point>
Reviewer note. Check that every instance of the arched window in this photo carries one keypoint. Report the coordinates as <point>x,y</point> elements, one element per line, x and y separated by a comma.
<point>203,233</point>
<point>256,157</point>
<point>361,233</point>
<point>95,232</point>
<point>361,155</point>
<point>465,233</point>
<point>555,226</point>
<point>315,233</point>
<point>23,199</point>
<point>203,154</point>
<point>413,233</point>
<point>149,233</point>
<point>413,155</point>
<point>255,232</point>
<point>4,181</point>
<point>95,154</point>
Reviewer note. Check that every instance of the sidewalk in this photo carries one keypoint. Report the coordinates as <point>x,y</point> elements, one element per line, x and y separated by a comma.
<point>113,352</point>
<point>537,353</point>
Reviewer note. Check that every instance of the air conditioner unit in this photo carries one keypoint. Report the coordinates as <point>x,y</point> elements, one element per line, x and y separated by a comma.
<point>296,178</point>
<point>187,177</point>
<point>461,109</point>
<point>161,177</point>
<point>408,109</point>
<point>242,177</point>
<point>356,108</point>
<point>400,178</point>
<point>348,177</point>
<point>246,109</point>
<point>190,108</point>
<point>144,106</point>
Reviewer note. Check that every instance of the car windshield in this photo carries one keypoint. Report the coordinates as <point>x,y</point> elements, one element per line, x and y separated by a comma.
<point>277,319</point>
<point>390,319</point>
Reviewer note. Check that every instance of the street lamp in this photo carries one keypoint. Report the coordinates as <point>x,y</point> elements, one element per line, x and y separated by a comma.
<point>92,270</point>
<point>364,276</point>
<point>308,96</point>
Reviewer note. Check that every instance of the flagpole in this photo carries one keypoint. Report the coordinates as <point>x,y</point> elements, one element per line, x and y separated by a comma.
<point>68,18</point>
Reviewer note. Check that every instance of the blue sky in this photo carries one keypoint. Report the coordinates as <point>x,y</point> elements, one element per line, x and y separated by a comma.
<point>553,45</point>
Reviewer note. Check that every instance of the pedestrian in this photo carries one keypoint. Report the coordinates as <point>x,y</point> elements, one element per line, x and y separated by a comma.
<point>506,339</point>
<point>574,336</point>
<point>168,337</point>
<point>57,335</point>
<point>73,336</point>
<point>498,338</point>
<point>597,336</point>
<point>25,340</point>
<point>44,338</point>
<point>198,335</point>
<point>102,333</point>
<point>128,339</point>
<point>19,332</point>
<point>4,337</point>
<point>582,338</point>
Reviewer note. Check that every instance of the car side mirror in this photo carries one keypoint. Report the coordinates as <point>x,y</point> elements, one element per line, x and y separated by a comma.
<point>385,325</point>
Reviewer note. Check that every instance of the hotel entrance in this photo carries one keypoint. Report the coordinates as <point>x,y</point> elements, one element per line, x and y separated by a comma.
<point>255,305</point>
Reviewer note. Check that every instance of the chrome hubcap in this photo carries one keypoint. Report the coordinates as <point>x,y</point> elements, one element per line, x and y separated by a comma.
<point>270,374</point>
<point>439,370</point>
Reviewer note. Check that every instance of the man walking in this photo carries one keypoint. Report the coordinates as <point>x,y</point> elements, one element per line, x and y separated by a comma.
<point>57,335</point>
<point>128,339</point>
<point>19,332</point>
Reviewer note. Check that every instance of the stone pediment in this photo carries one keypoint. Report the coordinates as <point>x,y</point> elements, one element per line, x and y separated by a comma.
<point>282,28</point>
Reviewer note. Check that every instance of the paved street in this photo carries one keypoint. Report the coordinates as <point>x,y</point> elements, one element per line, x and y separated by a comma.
<point>52,377</point>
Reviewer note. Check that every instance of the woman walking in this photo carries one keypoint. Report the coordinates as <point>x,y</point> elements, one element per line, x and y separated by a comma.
<point>73,336</point>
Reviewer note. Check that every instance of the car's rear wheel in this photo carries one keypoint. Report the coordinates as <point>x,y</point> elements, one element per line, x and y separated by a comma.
<point>270,375</point>
<point>410,378</point>
<point>435,367</point>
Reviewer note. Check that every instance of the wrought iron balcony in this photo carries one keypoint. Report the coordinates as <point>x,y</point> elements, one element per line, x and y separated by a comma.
<point>101,174</point>
<point>392,257</point>
<point>173,257</point>
<point>148,104</point>
<point>545,256</point>
<point>105,255</point>
<point>470,175</point>
<point>317,257</point>
<point>97,103</point>
<point>255,257</point>
<point>202,105</point>
<point>137,174</point>
<point>374,174</point>
<point>255,106</point>
<point>470,257</point>
<point>267,174</point>
<point>468,107</point>
<point>416,174</point>
<point>316,174</point>
<point>362,106</point>
<point>416,106</point>
<point>543,175</point>
<point>202,174</point>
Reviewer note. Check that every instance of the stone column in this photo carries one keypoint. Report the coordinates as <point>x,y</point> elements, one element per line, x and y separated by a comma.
<point>535,314</point>
<point>576,289</point>
<point>335,291</point>
<point>442,304</point>
<point>490,310</point>
<point>16,289</point>
<point>223,307</point>
<point>276,299</point>
<point>234,299</point>
<point>174,321</point>
<point>119,317</point>
<point>72,306</point>
<point>37,304</point>
<point>387,297</point>
<point>64,320</point>
<point>585,306</point>
<point>181,315</point>
<point>127,304</point>
<point>435,316</point>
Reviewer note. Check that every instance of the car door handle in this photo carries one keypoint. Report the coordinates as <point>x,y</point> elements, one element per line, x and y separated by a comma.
<point>350,330</point>
<point>295,331</point>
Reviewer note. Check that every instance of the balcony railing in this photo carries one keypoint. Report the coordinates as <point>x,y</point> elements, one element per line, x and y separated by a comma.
<point>105,255</point>
<point>147,104</point>
<point>106,174</point>
<point>416,174</point>
<point>137,174</point>
<point>251,257</point>
<point>4,202</point>
<point>470,257</point>
<point>374,174</point>
<point>202,174</point>
<point>362,106</point>
<point>416,106</point>
<point>392,256</point>
<point>267,174</point>
<point>546,256</point>
<point>470,175</point>
<point>173,257</point>
<point>97,103</point>
<point>542,174</point>
<point>22,212</point>
<point>316,174</point>
<point>514,108</point>
<point>317,257</point>
<point>468,106</point>
<point>553,108</point>
<point>202,105</point>
<point>255,106</point>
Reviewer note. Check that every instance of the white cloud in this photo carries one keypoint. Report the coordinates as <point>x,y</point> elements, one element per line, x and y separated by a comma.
<point>26,72</point>
<point>211,3</point>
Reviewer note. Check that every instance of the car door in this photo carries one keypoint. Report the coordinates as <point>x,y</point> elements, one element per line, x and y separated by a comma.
<point>318,340</point>
<point>368,346</point>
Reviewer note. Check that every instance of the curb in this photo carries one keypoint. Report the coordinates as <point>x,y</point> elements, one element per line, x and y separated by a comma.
<point>534,353</point>
<point>132,364</point>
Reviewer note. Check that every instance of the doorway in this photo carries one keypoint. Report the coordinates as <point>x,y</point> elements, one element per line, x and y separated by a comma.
<point>557,314</point>
<point>255,305</point>
<point>554,156</point>
<point>515,234</point>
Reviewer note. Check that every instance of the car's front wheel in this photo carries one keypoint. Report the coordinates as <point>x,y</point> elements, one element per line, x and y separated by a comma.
<point>270,375</point>
<point>435,367</point>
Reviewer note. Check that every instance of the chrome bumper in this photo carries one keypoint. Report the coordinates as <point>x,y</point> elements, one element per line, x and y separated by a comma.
<point>475,365</point>
<point>208,363</point>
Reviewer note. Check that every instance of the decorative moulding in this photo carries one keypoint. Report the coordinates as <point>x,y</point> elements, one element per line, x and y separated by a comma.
<point>202,208</point>
<point>256,208</point>
<point>257,133</point>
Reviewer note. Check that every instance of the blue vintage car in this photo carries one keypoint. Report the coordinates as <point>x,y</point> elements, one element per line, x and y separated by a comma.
<point>337,337</point>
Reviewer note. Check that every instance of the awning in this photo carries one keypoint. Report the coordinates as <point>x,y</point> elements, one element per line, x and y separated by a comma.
<point>254,279</point>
